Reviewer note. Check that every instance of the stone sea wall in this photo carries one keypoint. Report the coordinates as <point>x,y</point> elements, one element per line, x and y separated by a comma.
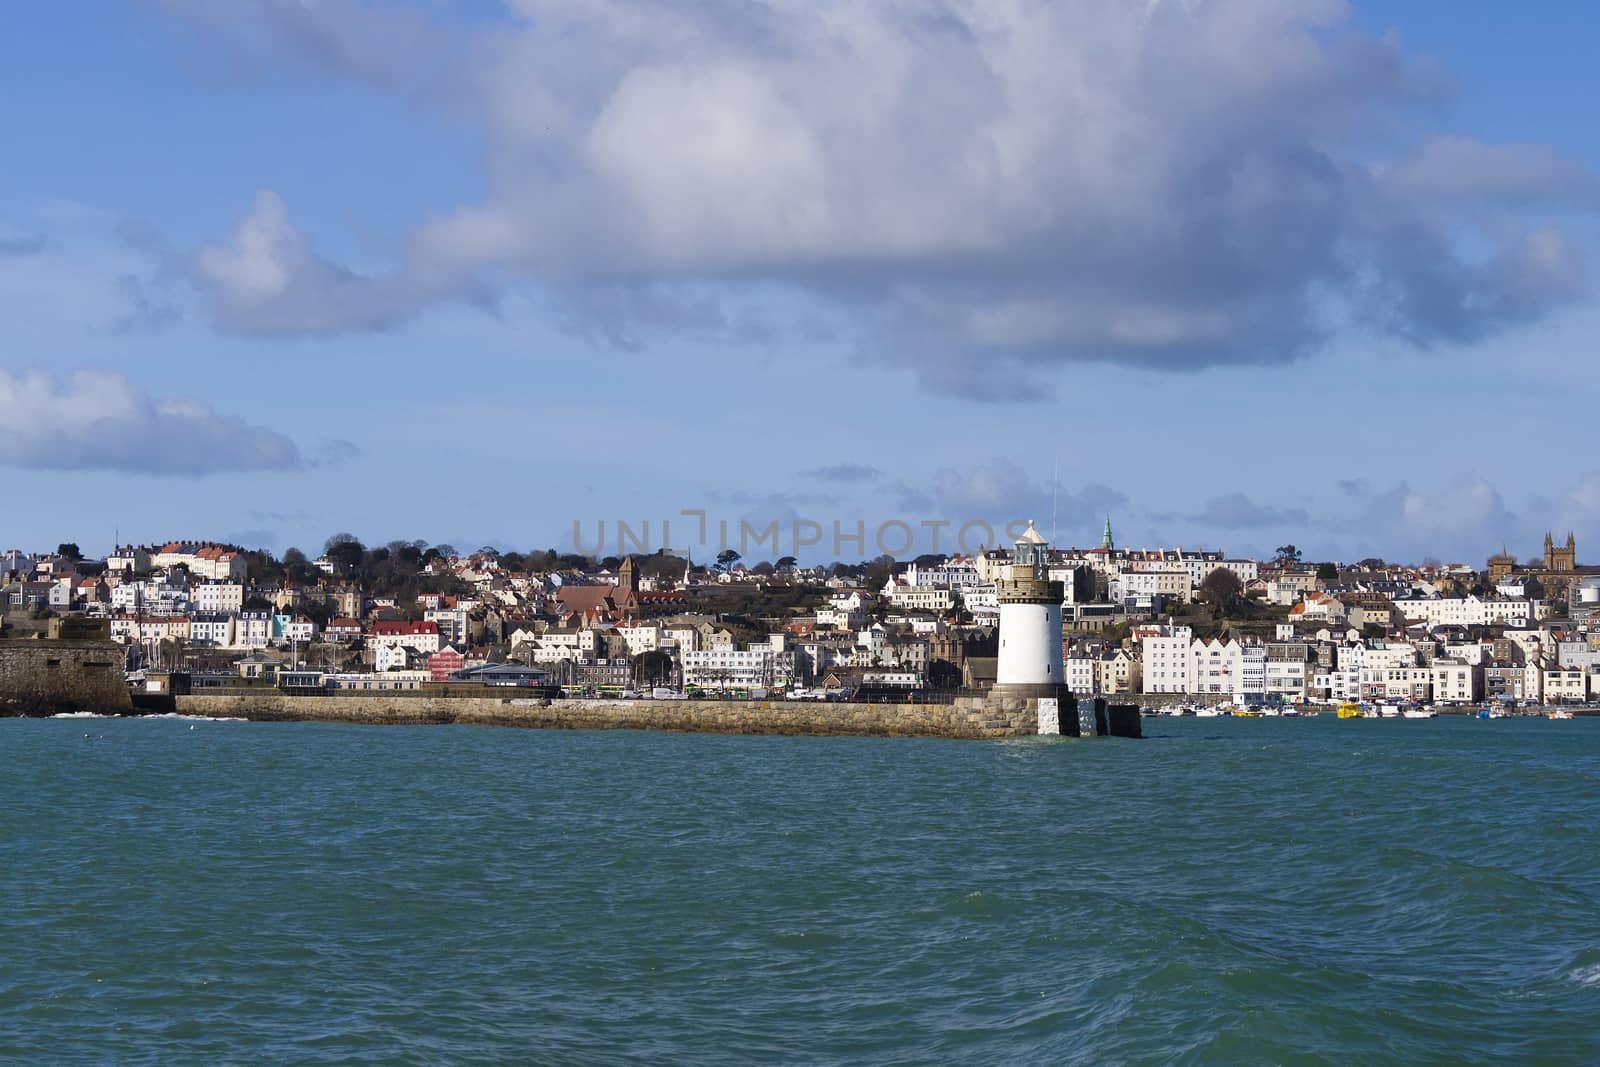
<point>46,677</point>
<point>963,720</point>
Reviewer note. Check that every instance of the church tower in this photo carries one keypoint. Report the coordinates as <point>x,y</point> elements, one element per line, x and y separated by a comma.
<point>1105,541</point>
<point>1501,566</point>
<point>1567,558</point>
<point>1561,560</point>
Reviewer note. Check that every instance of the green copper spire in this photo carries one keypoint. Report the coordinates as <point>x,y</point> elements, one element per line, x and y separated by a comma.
<point>1106,542</point>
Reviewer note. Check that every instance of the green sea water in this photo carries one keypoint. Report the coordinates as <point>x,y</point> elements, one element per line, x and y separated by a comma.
<point>1230,892</point>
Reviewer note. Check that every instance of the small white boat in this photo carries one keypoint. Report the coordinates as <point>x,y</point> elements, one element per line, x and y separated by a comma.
<point>1418,713</point>
<point>1559,713</point>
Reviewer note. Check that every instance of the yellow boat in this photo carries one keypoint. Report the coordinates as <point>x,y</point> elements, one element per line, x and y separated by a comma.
<point>1348,710</point>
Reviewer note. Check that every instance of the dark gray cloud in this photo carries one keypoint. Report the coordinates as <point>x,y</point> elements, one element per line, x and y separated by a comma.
<point>152,293</point>
<point>335,452</point>
<point>970,187</point>
<point>29,245</point>
<point>845,474</point>
<point>98,420</point>
<point>1354,486</point>
<point>1235,511</point>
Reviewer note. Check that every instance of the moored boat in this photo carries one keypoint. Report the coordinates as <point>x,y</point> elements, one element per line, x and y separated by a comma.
<point>1350,710</point>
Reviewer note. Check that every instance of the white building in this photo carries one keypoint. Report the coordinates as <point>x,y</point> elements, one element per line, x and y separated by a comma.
<point>136,629</point>
<point>1396,683</point>
<point>1170,580</point>
<point>841,618</point>
<point>1563,686</point>
<point>956,573</point>
<point>1255,673</point>
<point>163,597</point>
<point>1456,683</point>
<point>641,637</point>
<point>1166,660</point>
<point>1216,667</point>
<point>1470,611</point>
<point>219,596</point>
<point>213,628</point>
<point>921,598</point>
<point>726,668</point>
<point>252,629</point>
<point>1290,672</point>
<point>400,679</point>
<point>203,561</point>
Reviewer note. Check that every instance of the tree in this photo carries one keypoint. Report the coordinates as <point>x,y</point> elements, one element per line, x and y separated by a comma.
<point>1221,589</point>
<point>338,539</point>
<point>69,551</point>
<point>785,563</point>
<point>1288,554</point>
<point>877,573</point>
<point>345,553</point>
<point>318,612</point>
<point>727,558</point>
<point>1327,572</point>
<point>652,668</point>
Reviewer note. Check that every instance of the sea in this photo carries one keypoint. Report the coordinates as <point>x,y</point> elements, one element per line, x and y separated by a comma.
<point>1245,891</point>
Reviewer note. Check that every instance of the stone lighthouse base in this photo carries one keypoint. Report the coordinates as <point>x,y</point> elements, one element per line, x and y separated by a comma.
<point>1057,712</point>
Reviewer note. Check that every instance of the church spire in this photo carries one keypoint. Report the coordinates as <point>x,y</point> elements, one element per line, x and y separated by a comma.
<point>1105,541</point>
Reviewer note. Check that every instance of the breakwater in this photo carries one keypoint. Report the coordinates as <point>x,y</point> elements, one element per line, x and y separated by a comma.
<point>970,719</point>
<point>47,677</point>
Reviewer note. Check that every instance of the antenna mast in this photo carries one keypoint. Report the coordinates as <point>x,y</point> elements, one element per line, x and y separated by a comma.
<point>1055,492</point>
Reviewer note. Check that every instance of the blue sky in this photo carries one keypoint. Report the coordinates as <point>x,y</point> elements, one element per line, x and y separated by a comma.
<point>1237,272</point>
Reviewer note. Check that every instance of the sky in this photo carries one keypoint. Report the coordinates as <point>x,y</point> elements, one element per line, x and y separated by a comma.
<point>1234,273</point>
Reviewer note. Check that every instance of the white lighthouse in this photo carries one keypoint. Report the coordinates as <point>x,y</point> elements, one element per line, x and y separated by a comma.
<point>1030,621</point>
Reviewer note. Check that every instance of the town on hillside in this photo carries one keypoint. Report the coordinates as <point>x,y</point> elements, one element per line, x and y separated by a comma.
<point>1174,622</point>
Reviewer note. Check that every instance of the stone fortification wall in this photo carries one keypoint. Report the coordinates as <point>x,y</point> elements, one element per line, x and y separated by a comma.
<point>46,677</point>
<point>963,720</point>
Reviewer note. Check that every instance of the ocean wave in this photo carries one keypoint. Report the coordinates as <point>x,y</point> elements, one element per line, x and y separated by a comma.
<point>81,715</point>
<point>1586,976</point>
<point>194,718</point>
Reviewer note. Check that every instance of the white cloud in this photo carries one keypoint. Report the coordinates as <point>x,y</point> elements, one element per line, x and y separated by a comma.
<point>268,281</point>
<point>1464,520</point>
<point>98,420</point>
<point>1173,185</point>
